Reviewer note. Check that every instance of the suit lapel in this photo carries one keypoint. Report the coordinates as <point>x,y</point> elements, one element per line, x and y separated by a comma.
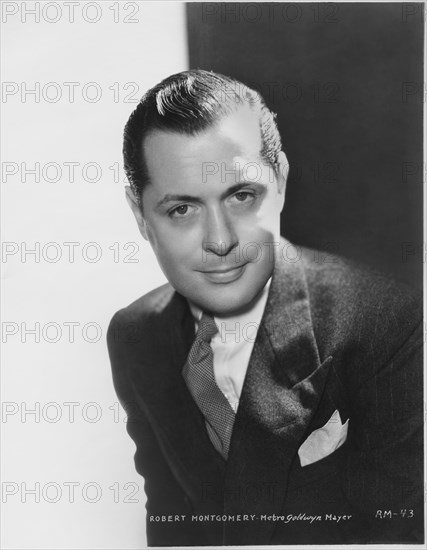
<point>283,385</point>
<point>161,392</point>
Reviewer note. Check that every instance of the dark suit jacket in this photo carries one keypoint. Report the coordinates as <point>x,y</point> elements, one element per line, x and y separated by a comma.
<point>333,336</point>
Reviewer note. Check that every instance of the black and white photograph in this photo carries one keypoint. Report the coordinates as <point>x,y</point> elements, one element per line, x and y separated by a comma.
<point>213,272</point>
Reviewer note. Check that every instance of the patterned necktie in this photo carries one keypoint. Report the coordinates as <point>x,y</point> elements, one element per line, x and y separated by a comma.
<point>199,376</point>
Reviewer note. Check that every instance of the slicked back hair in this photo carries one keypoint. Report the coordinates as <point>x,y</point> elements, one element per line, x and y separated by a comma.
<point>188,103</point>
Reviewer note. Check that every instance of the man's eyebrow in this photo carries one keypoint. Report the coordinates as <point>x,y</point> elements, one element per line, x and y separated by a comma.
<point>241,185</point>
<point>171,198</point>
<point>189,198</point>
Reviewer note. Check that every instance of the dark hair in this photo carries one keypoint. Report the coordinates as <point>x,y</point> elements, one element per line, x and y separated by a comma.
<point>188,103</point>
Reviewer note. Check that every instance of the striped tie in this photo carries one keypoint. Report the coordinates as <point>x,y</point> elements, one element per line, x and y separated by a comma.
<point>199,376</point>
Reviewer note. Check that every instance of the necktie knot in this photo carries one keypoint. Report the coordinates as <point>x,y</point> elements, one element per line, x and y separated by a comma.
<point>207,328</point>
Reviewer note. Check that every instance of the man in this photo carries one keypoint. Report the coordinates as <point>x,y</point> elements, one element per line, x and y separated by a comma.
<point>274,398</point>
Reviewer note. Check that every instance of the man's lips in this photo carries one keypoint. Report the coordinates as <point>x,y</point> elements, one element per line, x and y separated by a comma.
<point>224,274</point>
<point>222,269</point>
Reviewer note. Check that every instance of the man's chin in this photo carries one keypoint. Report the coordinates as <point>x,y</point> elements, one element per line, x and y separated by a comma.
<point>223,302</point>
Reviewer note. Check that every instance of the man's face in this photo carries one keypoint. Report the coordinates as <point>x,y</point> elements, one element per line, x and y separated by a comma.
<point>211,212</point>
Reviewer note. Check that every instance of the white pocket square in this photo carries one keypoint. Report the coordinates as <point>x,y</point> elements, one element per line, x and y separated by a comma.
<point>324,441</point>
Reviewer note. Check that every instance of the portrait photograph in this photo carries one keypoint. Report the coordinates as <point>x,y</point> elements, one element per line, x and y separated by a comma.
<point>213,273</point>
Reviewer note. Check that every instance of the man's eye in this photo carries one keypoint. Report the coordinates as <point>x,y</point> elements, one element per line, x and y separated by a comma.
<point>242,196</point>
<point>180,211</point>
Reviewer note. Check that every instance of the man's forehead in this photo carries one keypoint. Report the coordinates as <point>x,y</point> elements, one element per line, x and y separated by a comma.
<point>233,140</point>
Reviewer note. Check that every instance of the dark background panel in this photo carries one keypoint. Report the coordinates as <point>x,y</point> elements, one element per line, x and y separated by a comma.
<point>346,81</point>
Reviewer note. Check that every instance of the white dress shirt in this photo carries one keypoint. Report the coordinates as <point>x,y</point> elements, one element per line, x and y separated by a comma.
<point>232,346</point>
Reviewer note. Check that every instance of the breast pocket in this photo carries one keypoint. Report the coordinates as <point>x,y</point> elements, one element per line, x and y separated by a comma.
<point>324,440</point>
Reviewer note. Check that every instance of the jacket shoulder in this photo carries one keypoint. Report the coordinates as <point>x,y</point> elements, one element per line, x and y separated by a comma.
<point>140,312</point>
<point>351,302</point>
<point>356,285</point>
<point>150,303</point>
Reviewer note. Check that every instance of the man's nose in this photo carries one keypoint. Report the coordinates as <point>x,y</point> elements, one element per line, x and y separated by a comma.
<point>220,235</point>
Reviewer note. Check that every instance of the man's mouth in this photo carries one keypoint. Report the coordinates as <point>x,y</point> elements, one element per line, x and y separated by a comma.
<point>224,274</point>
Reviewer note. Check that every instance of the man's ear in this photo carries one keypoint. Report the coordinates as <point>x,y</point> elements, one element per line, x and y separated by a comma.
<point>133,203</point>
<point>282,175</point>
